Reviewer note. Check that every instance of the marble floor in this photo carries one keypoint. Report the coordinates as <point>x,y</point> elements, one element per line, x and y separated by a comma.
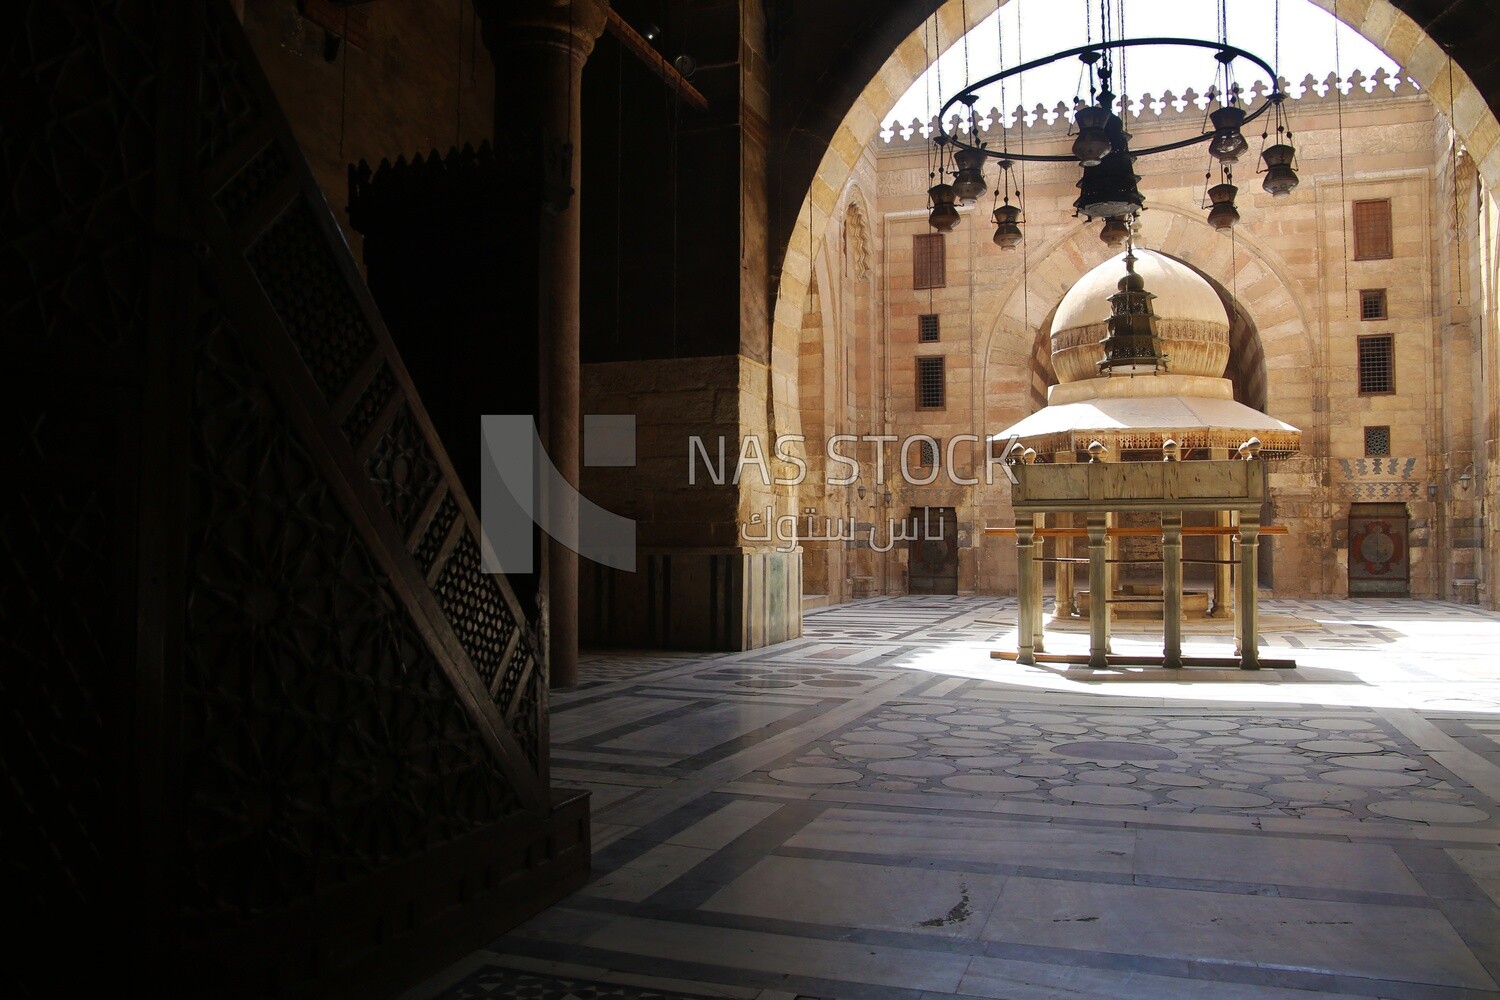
<point>884,808</point>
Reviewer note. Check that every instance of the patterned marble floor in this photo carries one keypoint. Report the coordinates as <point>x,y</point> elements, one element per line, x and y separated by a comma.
<point>884,809</point>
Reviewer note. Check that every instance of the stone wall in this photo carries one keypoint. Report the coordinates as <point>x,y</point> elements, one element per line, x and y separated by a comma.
<point>1289,268</point>
<point>374,81</point>
<point>705,577</point>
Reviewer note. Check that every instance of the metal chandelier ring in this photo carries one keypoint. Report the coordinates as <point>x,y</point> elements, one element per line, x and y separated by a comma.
<point>969,95</point>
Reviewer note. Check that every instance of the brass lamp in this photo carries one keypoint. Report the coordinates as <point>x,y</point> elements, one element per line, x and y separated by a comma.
<point>944,214</point>
<point>1223,215</point>
<point>1228,143</point>
<point>1007,226</point>
<point>1132,347</point>
<point>1281,178</point>
<point>1114,231</point>
<point>968,179</point>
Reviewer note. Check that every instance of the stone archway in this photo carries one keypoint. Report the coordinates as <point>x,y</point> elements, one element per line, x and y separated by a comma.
<point>1274,333</point>
<point>1270,329</point>
<point>1378,20</point>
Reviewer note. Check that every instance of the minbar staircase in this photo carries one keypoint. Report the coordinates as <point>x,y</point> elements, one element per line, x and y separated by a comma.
<point>275,732</point>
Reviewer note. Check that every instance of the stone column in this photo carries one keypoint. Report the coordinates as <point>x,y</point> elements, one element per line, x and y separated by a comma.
<point>1098,528</point>
<point>540,47</point>
<point>1027,596</point>
<point>1038,630</point>
<point>1171,588</point>
<point>1249,551</point>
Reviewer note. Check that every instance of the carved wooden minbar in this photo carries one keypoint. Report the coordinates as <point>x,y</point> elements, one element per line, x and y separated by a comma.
<point>272,730</point>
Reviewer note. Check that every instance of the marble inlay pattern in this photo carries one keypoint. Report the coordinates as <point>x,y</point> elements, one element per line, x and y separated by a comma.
<point>883,810</point>
<point>1348,766</point>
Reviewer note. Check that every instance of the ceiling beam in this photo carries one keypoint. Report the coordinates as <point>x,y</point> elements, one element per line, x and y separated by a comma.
<point>644,51</point>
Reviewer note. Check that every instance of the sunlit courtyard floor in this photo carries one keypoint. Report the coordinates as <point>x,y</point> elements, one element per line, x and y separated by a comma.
<point>883,808</point>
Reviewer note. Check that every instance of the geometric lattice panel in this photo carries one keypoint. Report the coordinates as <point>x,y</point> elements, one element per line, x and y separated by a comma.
<point>371,401</point>
<point>475,607</point>
<point>531,703</point>
<point>403,470</point>
<point>296,268</point>
<point>322,739</point>
<point>436,534</point>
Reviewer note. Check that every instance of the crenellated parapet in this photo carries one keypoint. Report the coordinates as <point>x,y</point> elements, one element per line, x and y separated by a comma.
<point>1188,108</point>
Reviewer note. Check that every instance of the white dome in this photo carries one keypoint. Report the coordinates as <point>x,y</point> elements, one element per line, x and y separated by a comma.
<point>1181,293</point>
<point>1190,318</point>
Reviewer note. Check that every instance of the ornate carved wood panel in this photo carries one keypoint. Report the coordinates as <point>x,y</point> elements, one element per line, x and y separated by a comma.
<point>321,739</point>
<point>78,142</point>
<point>270,728</point>
<point>284,261</point>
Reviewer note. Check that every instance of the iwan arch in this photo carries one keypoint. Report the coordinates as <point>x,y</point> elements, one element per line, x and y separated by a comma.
<point>1421,451</point>
<point>274,728</point>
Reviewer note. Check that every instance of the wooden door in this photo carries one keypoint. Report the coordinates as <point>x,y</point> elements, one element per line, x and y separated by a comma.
<point>1379,550</point>
<point>932,555</point>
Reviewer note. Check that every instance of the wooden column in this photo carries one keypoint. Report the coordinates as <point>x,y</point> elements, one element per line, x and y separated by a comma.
<point>1027,592</point>
<point>1171,586</point>
<point>1223,577</point>
<point>1098,527</point>
<point>1064,605</point>
<point>1246,617</point>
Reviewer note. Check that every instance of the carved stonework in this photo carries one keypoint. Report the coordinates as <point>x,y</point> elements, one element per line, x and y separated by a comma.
<point>1384,468</point>
<point>1377,479</point>
<point>1381,490</point>
<point>857,246</point>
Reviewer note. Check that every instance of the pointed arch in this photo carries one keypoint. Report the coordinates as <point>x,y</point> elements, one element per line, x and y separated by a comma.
<point>1274,328</point>
<point>1420,57</point>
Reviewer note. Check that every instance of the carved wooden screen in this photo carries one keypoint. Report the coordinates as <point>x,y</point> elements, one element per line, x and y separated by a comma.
<point>278,733</point>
